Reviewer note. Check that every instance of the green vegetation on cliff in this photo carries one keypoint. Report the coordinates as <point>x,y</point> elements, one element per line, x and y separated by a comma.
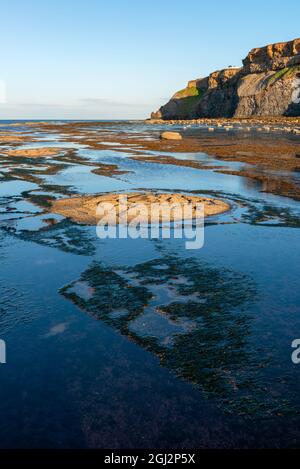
<point>188,92</point>
<point>187,105</point>
<point>264,86</point>
<point>284,73</point>
<point>187,100</point>
<point>278,75</point>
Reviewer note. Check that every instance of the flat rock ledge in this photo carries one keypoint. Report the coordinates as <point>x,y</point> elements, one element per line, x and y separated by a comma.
<point>35,152</point>
<point>84,209</point>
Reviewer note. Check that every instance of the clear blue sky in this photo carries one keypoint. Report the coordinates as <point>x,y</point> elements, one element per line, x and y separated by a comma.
<point>124,58</point>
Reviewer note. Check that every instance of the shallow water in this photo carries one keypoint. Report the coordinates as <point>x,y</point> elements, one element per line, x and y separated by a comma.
<point>141,343</point>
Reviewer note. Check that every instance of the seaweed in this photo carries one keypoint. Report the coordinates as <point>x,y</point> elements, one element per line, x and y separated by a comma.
<point>213,351</point>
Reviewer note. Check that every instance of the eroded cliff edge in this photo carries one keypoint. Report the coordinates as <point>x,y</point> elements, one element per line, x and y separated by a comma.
<point>268,84</point>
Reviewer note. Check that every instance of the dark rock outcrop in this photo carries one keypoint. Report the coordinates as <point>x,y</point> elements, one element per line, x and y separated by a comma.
<point>268,84</point>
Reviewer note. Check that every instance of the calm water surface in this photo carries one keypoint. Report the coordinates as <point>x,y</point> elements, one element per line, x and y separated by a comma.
<point>141,343</point>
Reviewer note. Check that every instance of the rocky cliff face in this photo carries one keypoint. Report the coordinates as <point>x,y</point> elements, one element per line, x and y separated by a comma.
<point>268,84</point>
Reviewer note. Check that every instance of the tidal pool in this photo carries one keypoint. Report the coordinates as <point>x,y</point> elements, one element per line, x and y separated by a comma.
<point>141,343</point>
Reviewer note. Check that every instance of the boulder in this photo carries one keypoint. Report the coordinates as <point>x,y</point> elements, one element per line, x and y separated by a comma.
<point>171,136</point>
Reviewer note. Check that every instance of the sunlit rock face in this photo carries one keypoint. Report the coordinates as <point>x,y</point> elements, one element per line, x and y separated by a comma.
<point>268,84</point>
<point>273,57</point>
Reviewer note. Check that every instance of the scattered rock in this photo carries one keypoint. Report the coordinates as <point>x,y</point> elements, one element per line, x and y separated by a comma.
<point>171,136</point>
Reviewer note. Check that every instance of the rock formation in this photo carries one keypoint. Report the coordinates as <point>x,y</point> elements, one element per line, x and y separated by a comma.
<point>171,136</point>
<point>268,84</point>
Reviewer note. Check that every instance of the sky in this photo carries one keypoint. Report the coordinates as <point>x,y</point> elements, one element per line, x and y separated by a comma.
<point>122,59</point>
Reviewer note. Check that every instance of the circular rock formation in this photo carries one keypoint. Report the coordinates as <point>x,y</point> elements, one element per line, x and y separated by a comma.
<point>149,207</point>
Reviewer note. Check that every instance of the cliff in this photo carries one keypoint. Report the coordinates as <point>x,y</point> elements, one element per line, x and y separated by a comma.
<point>268,84</point>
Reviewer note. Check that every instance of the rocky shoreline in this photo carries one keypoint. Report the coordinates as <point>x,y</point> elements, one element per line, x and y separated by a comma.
<point>270,145</point>
<point>289,125</point>
<point>268,84</point>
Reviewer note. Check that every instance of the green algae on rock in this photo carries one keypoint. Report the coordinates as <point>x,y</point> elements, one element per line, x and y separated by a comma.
<point>191,316</point>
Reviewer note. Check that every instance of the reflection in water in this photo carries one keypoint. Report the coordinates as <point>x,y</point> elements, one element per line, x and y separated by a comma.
<point>226,338</point>
<point>47,231</point>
